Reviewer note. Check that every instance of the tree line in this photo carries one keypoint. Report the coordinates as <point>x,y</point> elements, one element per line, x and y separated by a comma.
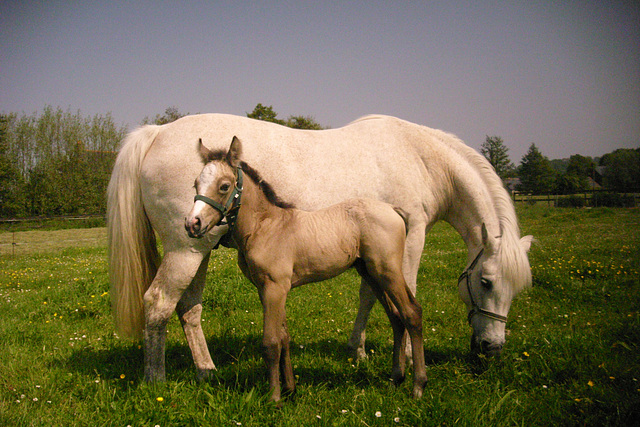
<point>55,162</point>
<point>618,171</point>
<point>59,162</point>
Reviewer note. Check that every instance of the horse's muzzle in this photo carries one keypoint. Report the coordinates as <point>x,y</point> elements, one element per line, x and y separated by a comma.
<point>486,348</point>
<point>194,228</point>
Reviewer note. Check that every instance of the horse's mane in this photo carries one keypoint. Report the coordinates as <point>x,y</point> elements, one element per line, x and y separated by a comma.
<point>513,257</point>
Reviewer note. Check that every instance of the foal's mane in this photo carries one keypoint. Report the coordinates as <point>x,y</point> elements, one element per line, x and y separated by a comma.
<point>254,175</point>
<point>513,257</point>
<point>265,187</point>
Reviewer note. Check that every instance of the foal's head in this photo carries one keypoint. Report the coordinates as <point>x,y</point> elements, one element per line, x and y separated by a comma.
<point>216,187</point>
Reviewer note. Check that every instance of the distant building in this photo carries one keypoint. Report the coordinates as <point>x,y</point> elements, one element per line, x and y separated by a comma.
<point>512,184</point>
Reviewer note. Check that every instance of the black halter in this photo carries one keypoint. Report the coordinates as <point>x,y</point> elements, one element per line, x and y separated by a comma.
<point>475,308</point>
<point>229,210</point>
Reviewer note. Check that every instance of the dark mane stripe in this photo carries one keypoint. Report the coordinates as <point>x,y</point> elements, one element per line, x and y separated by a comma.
<point>266,188</point>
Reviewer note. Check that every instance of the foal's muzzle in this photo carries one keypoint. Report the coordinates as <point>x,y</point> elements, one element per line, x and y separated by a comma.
<point>194,227</point>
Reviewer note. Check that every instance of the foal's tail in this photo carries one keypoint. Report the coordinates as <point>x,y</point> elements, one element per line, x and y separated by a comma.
<point>133,255</point>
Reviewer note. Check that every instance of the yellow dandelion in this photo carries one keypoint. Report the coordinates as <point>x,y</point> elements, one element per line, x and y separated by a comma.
<point>160,399</point>
<point>590,383</point>
<point>122,376</point>
<point>525,354</point>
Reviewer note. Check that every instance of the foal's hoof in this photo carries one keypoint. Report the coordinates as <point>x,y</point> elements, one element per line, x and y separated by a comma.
<point>417,393</point>
<point>360,354</point>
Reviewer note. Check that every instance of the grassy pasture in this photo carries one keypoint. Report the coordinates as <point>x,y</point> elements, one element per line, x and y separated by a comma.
<point>571,356</point>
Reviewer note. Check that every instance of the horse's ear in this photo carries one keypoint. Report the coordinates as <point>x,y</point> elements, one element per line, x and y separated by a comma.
<point>235,152</point>
<point>526,242</point>
<point>485,235</point>
<point>204,151</point>
<point>491,243</point>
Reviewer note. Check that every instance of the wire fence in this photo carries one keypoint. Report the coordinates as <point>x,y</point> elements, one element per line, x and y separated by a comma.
<point>587,198</point>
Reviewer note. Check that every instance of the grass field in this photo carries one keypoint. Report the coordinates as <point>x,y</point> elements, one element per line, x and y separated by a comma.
<point>572,355</point>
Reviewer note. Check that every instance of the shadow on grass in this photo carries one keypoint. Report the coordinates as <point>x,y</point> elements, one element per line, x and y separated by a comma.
<point>240,366</point>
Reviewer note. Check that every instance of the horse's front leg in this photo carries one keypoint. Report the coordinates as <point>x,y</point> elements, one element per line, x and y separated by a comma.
<point>189,311</point>
<point>174,276</point>
<point>275,339</point>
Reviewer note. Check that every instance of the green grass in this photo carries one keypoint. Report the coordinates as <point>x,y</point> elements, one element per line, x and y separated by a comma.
<point>571,356</point>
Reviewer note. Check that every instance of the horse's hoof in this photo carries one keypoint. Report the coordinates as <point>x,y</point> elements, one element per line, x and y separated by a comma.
<point>205,374</point>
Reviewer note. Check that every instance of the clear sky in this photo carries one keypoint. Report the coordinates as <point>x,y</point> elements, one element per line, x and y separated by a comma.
<point>564,75</point>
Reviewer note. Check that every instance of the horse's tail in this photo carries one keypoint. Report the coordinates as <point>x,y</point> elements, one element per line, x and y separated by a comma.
<point>133,254</point>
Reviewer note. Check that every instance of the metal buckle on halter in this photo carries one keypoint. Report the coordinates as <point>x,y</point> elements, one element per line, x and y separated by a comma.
<point>475,308</point>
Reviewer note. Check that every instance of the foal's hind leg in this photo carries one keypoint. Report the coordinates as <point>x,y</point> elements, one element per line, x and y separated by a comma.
<point>189,310</point>
<point>358,335</point>
<point>414,245</point>
<point>275,339</point>
<point>401,306</point>
<point>399,356</point>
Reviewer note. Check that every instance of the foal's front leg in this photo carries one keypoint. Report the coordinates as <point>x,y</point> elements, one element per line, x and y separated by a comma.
<point>275,339</point>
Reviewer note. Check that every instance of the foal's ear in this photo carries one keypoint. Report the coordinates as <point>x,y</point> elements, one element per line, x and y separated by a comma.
<point>204,151</point>
<point>235,152</point>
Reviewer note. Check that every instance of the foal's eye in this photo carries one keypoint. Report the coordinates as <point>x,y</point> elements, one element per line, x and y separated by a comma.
<point>486,283</point>
<point>225,187</point>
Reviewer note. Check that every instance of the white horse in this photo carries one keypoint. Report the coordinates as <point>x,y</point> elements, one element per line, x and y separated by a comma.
<point>428,174</point>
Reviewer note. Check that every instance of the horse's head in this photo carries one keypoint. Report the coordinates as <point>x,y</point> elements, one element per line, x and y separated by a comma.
<point>218,188</point>
<point>487,287</point>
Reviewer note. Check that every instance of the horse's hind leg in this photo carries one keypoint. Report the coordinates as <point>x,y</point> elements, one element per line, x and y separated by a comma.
<point>189,311</point>
<point>174,276</point>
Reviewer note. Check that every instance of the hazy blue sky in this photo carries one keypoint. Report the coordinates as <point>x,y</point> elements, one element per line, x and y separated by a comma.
<point>564,75</point>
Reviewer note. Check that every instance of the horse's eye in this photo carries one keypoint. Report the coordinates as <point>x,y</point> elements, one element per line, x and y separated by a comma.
<point>225,187</point>
<point>486,283</point>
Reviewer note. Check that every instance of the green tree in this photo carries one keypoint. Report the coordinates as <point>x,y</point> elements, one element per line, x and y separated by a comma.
<point>12,199</point>
<point>576,177</point>
<point>56,162</point>
<point>171,114</point>
<point>494,150</point>
<point>266,114</point>
<point>622,169</point>
<point>535,172</point>
<point>303,122</point>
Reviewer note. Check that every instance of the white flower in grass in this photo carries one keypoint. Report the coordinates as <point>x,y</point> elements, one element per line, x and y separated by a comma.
<point>378,414</point>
